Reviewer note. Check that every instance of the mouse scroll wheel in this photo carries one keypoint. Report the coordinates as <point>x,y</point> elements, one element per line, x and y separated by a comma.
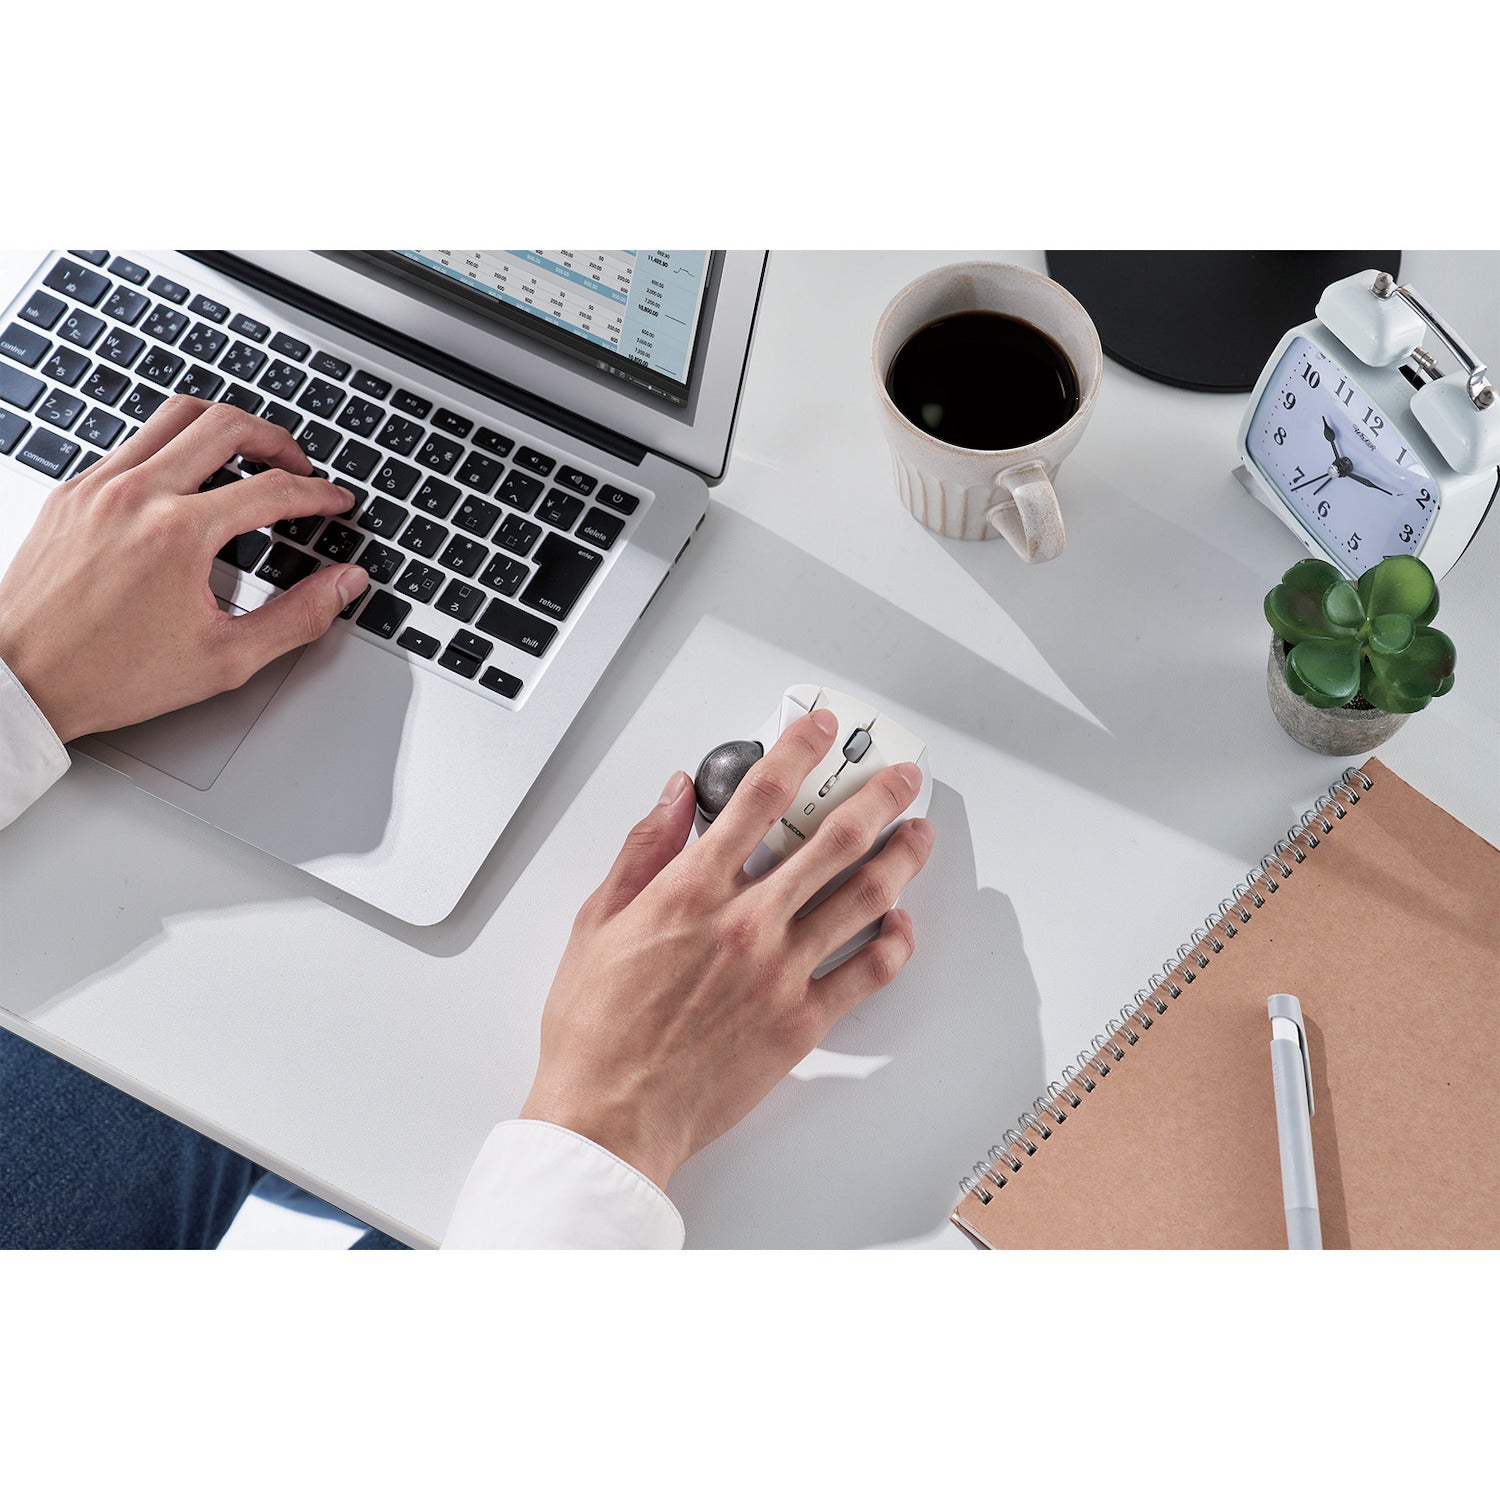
<point>858,746</point>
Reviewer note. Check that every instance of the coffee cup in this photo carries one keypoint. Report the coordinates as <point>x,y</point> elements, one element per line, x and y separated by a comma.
<point>974,493</point>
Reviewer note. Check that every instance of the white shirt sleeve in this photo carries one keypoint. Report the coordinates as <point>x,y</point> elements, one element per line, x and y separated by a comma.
<point>31,755</point>
<point>537,1186</point>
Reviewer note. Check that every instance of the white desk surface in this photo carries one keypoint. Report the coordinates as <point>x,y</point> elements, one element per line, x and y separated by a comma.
<point>1106,769</point>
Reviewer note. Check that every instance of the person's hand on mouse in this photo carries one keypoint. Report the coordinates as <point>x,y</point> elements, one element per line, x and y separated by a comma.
<point>106,616</point>
<point>686,990</point>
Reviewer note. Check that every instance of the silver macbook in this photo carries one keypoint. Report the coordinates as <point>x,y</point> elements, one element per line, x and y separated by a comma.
<point>529,435</point>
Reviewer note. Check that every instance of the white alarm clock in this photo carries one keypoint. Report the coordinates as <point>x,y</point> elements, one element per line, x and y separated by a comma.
<point>1360,442</point>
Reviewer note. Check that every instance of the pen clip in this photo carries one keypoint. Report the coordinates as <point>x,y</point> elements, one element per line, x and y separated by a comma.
<point>1289,1008</point>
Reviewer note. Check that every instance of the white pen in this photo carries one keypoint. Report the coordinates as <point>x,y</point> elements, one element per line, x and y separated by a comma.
<point>1291,1076</point>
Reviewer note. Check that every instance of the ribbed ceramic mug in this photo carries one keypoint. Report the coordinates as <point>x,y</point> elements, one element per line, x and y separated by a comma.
<point>974,494</point>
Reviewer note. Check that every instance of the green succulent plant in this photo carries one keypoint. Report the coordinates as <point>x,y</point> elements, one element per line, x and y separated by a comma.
<point>1372,638</point>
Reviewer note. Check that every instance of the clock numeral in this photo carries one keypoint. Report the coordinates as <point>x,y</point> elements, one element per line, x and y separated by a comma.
<point>1424,499</point>
<point>1342,392</point>
<point>1401,457</point>
<point>1288,400</point>
<point>1353,543</point>
<point>1407,533</point>
<point>1373,420</point>
<point>1279,436</point>
<point>1298,477</point>
<point>1310,375</point>
<point>1323,508</point>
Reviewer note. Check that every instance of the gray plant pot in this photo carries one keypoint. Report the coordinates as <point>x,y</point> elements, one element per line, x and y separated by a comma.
<point>1329,731</point>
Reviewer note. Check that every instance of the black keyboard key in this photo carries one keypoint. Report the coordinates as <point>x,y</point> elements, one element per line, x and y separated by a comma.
<point>618,500</point>
<point>463,555</point>
<point>173,291</point>
<point>282,379</point>
<point>159,366</point>
<point>105,386</point>
<point>242,361</point>
<point>89,459</point>
<point>496,442</point>
<point>577,480</point>
<point>284,417</point>
<point>347,612</point>
<point>121,348</point>
<point>538,463</point>
<point>48,452</point>
<point>505,574</point>
<point>321,399</point>
<point>42,310</point>
<point>200,382</point>
<point>461,600</point>
<point>13,427</point>
<point>66,367</point>
<point>24,345</point>
<point>419,644</point>
<point>560,510</point>
<point>17,389</point>
<point>165,324</point>
<point>383,517</point>
<point>517,628</point>
<point>318,442</point>
<point>141,403</point>
<point>424,537</point>
<point>400,436</point>
<point>450,421</point>
<point>471,644</point>
<point>77,282</point>
<point>61,408</point>
<point>93,257</point>
<point>519,490</point>
<point>518,535</point>
<point>395,478</point>
<point>100,428</point>
<point>126,306</point>
<point>419,582</point>
<point>360,417</point>
<point>203,342</point>
<point>285,566</point>
<point>243,552</point>
<point>82,328</point>
<point>129,270</point>
<point>218,480</point>
<point>440,453</point>
<point>370,385</point>
<point>356,460</point>
<point>477,516</point>
<point>249,328</point>
<point>359,497</point>
<point>298,528</point>
<point>338,543</point>
<point>329,365</point>
<point>563,571</point>
<point>382,563</point>
<point>479,473</point>
<point>411,403</point>
<point>293,348</point>
<point>436,497</point>
<point>460,662</point>
<point>601,528</point>
<point>206,307</point>
<point>383,614</point>
<point>501,682</point>
<point>238,396</point>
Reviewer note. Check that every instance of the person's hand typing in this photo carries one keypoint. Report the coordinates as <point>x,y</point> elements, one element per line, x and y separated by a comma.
<point>106,616</point>
<point>686,990</point>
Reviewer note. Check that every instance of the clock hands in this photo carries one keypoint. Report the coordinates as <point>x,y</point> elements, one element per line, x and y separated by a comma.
<point>1368,483</point>
<point>1313,480</point>
<point>1332,437</point>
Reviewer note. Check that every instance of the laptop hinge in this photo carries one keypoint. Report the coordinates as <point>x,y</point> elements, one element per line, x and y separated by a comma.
<point>422,354</point>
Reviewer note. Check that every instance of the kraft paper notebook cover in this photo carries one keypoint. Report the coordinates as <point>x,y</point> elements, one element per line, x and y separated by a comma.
<point>1383,917</point>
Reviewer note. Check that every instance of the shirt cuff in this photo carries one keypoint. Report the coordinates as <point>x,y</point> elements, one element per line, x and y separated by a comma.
<point>537,1186</point>
<point>31,755</point>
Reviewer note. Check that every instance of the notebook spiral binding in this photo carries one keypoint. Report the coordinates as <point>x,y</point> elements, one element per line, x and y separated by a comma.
<point>1092,1066</point>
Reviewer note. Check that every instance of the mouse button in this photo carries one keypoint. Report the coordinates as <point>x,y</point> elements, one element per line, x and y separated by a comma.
<point>857,746</point>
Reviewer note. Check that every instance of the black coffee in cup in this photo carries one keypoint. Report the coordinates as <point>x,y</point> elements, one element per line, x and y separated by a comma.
<point>983,380</point>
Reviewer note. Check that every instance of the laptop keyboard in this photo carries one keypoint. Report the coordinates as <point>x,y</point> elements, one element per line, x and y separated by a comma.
<point>479,544</point>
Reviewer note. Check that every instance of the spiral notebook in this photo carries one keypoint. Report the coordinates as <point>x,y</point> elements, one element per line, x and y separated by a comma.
<point>1382,914</point>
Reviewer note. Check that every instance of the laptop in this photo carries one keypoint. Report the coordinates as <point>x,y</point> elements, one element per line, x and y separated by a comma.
<point>529,436</point>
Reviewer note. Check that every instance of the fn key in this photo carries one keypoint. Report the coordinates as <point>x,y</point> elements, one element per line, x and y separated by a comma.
<point>384,614</point>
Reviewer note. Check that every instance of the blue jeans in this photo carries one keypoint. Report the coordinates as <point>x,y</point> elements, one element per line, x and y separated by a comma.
<point>85,1167</point>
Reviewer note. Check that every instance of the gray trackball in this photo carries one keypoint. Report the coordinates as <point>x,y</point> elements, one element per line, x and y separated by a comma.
<point>721,771</point>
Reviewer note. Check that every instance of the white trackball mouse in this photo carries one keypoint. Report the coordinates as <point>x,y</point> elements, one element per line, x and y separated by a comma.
<point>867,741</point>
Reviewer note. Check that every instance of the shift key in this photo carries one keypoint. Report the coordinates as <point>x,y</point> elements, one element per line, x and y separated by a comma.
<point>563,570</point>
<point>516,627</point>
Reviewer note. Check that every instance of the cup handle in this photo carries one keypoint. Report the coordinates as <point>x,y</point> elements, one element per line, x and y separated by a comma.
<point>1028,517</point>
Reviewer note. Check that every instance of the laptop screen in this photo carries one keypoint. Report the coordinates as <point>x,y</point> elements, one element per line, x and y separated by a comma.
<point>634,314</point>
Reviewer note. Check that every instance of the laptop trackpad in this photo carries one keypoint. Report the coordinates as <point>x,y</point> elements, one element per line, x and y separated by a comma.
<point>194,744</point>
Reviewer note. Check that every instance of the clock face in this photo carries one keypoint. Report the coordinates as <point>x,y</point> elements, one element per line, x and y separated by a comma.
<point>1338,462</point>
